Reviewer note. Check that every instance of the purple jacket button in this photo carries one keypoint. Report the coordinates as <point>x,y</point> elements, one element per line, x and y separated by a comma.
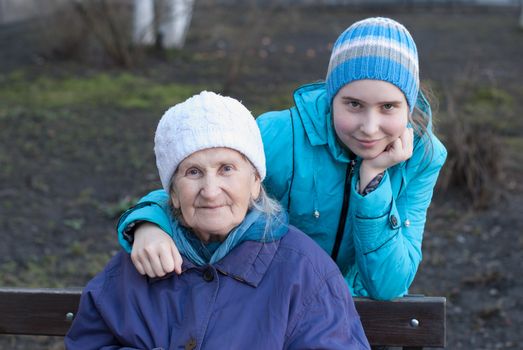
<point>208,276</point>
<point>191,344</point>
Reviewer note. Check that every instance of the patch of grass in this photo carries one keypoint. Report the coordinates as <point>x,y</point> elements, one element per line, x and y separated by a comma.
<point>114,210</point>
<point>78,248</point>
<point>7,168</point>
<point>75,223</point>
<point>32,273</point>
<point>491,94</point>
<point>85,197</point>
<point>472,133</point>
<point>53,271</point>
<point>480,104</point>
<point>515,144</point>
<point>260,101</point>
<point>121,90</point>
<point>284,99</point>
<point>486,104</point>
<point>475,162</point>
<point>512,149</point>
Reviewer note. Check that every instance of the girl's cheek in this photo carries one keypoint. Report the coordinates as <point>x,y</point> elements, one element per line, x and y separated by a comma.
<point>342,126</point>
<point>337,126</point>
<point>397,125</point>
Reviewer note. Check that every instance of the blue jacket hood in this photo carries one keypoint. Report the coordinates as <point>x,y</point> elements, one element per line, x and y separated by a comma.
<point>315,112</point>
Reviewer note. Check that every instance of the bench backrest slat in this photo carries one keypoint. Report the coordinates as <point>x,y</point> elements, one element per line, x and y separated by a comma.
<point>36,311</point>
<point>393,323</point>
<point>44,312</point>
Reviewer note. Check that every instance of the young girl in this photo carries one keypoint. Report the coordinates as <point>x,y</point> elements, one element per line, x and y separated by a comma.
<point>354,161</point>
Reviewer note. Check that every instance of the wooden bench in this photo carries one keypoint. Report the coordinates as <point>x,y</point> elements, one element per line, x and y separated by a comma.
<point>411,322</point>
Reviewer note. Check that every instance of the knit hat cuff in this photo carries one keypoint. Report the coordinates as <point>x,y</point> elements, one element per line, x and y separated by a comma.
<point>194,141</point>
<point>374,68</point>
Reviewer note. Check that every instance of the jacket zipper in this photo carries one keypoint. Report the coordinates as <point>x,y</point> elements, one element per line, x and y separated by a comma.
<point>344,210</point>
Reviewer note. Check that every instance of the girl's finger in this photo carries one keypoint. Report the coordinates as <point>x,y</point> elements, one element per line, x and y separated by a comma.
<point>166,259</point>
<point>177,259</point>
<point>396,146</point>
<point>155,263</point>
<point>149,271</point>
<point>137,264</point>
<point>409,142</point>
<point>404,137</point>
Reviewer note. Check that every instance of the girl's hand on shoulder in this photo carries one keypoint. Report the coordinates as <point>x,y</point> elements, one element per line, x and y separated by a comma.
<point>398,151</point>
<point>154,253</point>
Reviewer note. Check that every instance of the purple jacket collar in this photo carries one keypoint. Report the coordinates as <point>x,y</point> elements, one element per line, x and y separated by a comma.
<point>243,265</point>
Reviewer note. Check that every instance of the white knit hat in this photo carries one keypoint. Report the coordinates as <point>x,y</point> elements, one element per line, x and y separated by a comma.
<point>206,120</point>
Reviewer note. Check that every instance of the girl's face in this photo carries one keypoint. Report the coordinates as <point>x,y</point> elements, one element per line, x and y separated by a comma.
<point>368,115</point>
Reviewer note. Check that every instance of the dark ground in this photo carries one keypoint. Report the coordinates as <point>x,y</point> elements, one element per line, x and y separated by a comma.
<point>66,172</point>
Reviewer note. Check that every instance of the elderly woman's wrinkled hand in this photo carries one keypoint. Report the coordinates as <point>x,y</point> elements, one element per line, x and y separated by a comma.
<point>154,253</point>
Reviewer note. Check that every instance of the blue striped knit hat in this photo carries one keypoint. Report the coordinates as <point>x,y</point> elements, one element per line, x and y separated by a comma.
<point>379,49</point>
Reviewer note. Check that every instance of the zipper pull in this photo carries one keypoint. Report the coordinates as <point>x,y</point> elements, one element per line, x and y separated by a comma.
<point>352,164</point>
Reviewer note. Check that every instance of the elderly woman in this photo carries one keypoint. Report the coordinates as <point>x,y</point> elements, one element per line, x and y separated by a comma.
<point>249,280</point>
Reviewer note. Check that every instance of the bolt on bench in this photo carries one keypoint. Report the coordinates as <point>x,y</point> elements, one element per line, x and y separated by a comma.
<point>411,322</point>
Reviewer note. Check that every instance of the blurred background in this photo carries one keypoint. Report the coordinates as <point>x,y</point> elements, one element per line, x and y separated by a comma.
<point>83,84</point>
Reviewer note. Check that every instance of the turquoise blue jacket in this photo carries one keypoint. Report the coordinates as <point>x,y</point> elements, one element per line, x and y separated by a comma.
<point>306,168</point>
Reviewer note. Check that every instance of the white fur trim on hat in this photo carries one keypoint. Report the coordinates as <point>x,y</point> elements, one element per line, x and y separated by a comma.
<point>206,120</point>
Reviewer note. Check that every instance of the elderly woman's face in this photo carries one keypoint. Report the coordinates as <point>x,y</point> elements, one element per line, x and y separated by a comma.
<point>213,188</point>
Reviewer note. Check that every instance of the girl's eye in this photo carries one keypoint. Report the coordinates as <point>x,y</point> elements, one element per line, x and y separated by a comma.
<point>354,104</point>
<point>388,106</point>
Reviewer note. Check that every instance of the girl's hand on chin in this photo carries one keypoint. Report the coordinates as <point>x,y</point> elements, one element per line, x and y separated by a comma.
<point>398,151</point>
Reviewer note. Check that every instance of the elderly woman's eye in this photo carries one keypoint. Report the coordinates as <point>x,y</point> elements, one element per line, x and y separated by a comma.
<point>193,172</point>
<point>227,168</point>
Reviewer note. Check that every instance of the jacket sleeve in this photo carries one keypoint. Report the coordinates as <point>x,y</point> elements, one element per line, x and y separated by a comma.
<point>388,231</point>
<point>277,134</point>
<point>89,330</point>
<point>154,207</point>
<point>328,320</point>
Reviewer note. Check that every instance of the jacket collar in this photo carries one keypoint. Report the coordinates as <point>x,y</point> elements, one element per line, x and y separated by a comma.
<point>314,110</point>
<point>247,263</point>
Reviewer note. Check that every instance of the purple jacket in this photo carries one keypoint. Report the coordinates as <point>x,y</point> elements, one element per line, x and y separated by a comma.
<point>286,294</point>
